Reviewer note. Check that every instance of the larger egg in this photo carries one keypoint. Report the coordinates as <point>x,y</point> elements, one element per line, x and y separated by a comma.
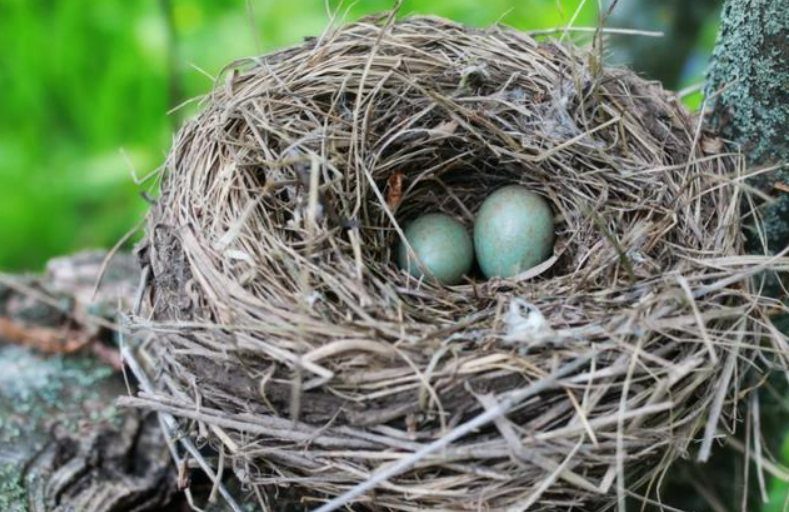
<point>442,246</point>
<point>514,231</point>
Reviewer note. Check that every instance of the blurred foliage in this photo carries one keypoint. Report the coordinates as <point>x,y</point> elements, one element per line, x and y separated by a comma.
<point>87,86</point>
<point>679,58</point>
<point>778,491</point>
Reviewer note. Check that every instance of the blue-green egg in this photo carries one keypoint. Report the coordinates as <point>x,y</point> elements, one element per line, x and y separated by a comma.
<point>443,246</point>
<point>514,231</point>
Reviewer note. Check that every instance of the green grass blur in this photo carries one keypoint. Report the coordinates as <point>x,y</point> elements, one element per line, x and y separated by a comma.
<point>83,80</point>
<point>86,84</point>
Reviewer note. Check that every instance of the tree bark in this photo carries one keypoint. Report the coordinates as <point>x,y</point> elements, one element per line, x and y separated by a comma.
<point>64,446</point>
<point>748,92</point>
<point>748,84</point>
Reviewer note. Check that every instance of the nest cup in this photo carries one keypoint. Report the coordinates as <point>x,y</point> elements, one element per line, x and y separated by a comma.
<point>286,337</point>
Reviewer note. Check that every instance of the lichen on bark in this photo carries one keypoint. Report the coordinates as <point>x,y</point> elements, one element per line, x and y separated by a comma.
<point>12,494</point>
<point>748,86</point>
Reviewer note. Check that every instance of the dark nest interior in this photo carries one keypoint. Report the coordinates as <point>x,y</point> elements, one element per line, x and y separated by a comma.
<point>281,333</point>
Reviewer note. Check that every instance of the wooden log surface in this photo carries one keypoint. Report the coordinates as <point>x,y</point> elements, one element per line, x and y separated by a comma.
<point>64,446</point>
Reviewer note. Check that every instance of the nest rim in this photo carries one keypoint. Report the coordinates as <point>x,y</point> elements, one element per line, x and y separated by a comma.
<point>276,302</point>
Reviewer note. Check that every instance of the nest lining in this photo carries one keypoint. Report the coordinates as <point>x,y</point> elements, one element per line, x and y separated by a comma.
<point>285,331</point>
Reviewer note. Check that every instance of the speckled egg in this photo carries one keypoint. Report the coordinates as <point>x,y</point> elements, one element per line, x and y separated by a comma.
<point>514,231</point>
<point>442,245</point>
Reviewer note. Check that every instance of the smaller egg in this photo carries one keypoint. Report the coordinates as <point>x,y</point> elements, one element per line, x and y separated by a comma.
<point>513,232</point>
<point>443,246</point>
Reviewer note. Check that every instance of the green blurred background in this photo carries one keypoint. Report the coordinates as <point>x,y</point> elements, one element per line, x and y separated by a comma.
<point>86,87</point>
<point>86,84</point>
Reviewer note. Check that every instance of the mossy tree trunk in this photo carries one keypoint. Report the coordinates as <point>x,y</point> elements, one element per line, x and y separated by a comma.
<point>748,92</point>
<point>748,85</point>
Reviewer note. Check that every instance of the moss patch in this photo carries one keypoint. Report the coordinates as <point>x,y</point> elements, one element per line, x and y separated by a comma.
<point>751,68</point>
<point>35,389</point>
<point>12,494</point>
<point>38,392</point>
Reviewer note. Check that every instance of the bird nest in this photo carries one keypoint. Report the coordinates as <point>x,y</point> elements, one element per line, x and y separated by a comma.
<point>286,337</point>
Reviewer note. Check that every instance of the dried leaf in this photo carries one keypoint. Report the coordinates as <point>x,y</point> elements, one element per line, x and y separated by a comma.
<point>448,127</point>
<point>780,185</point>
<point>712,145</point>
<point>394,192</point>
